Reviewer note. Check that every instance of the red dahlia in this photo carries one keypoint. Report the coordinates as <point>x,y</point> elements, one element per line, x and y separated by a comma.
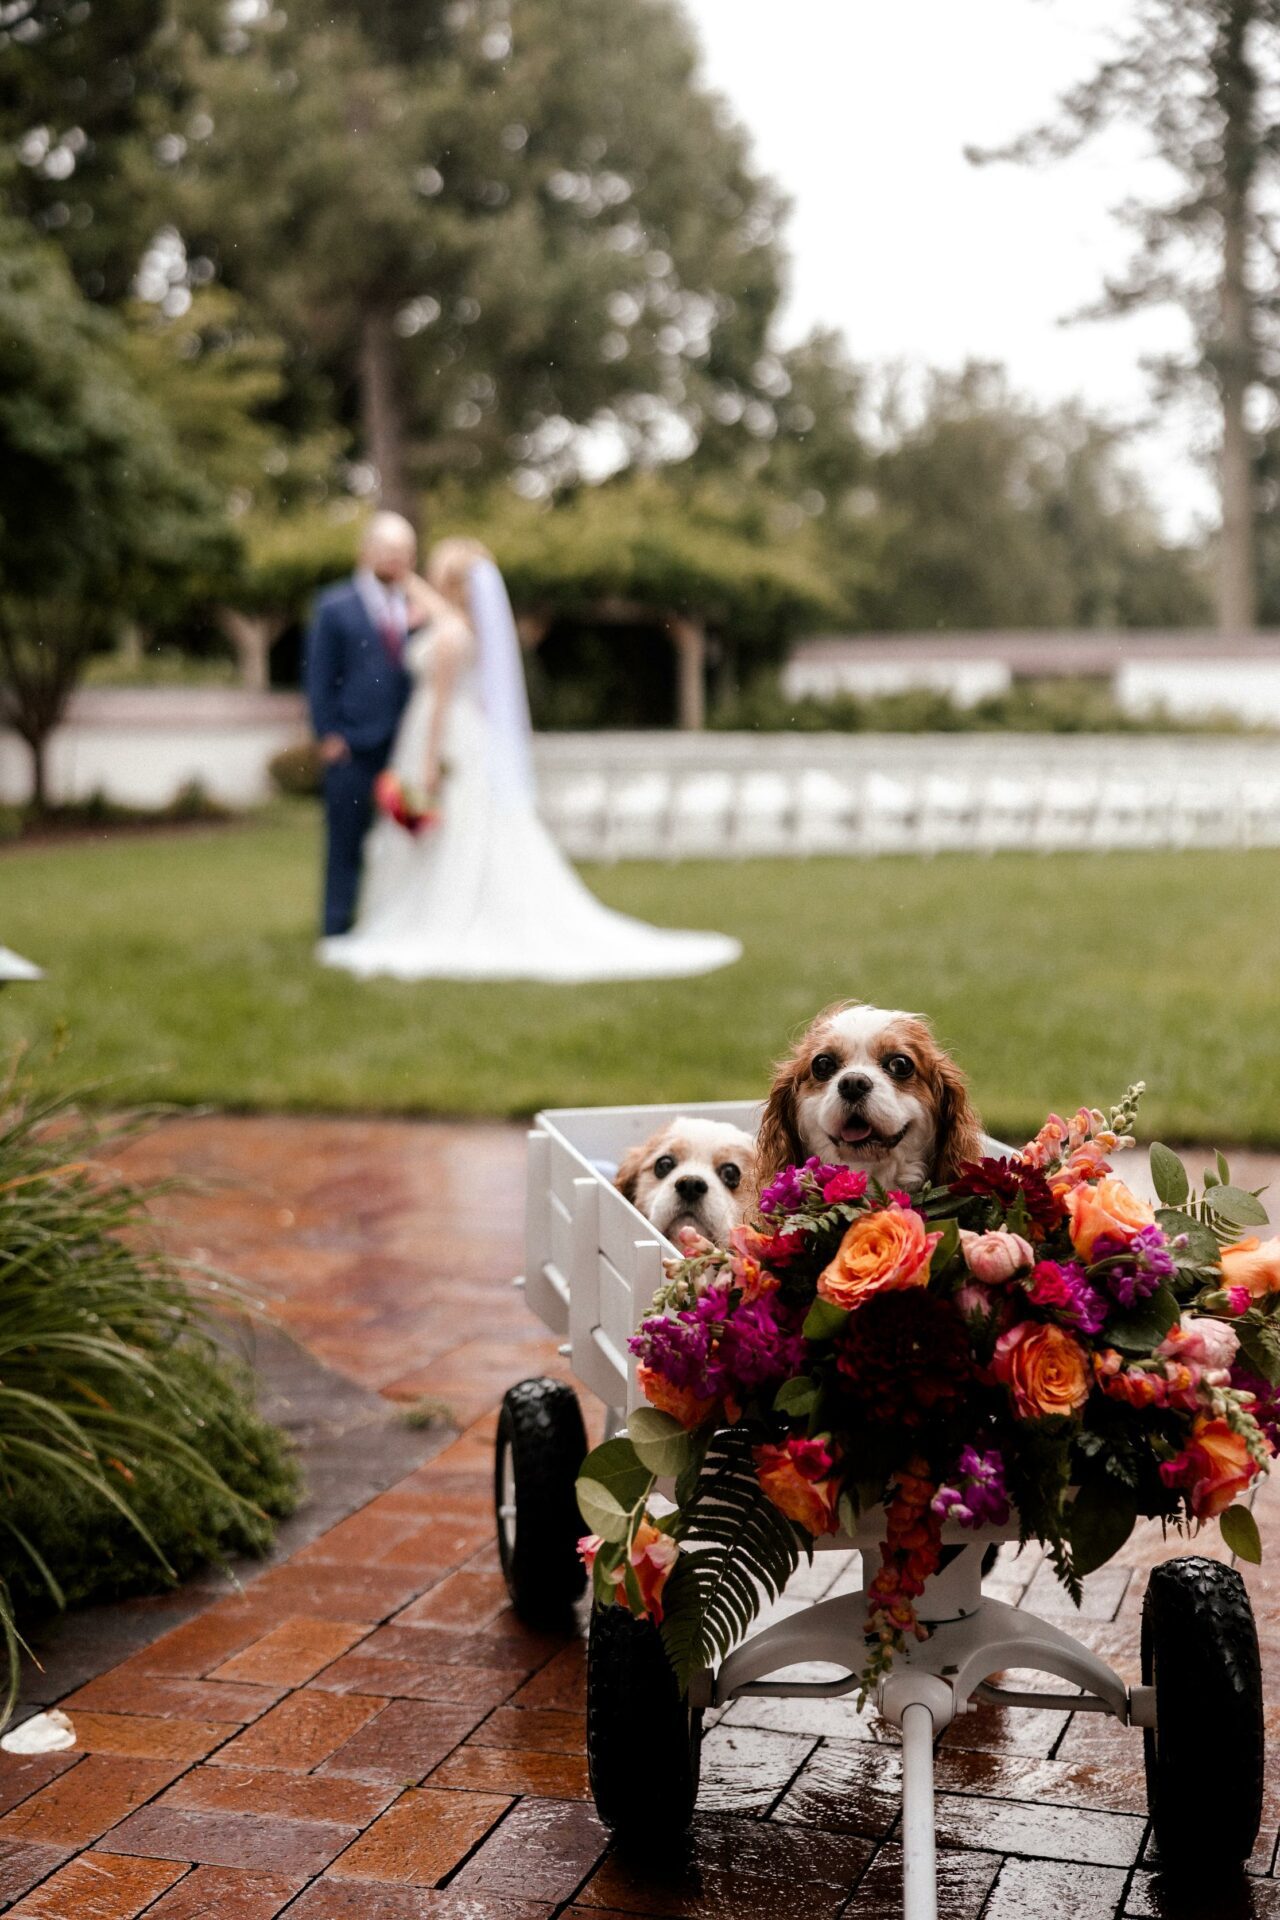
<point>1004,1180</point>
<point>905,1355</point>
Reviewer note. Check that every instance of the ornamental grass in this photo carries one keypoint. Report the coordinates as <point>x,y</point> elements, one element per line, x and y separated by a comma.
<point>130,1448</point>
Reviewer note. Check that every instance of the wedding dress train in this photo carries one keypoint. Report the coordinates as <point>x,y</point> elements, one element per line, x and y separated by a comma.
<point>486,894</point>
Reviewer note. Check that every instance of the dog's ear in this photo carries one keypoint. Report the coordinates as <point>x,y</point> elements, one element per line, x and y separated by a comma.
<point>959,1128</point>
<point>631,1166</point>
<point>777,1143</point>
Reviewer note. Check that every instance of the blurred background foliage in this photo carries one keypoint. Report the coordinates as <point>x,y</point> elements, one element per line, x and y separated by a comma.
<point>509,265</point>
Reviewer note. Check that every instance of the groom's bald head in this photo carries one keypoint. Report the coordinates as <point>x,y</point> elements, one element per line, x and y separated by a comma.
<point>389,547</point>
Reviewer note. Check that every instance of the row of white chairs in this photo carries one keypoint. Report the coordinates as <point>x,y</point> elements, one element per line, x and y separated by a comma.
<point>675,813</point>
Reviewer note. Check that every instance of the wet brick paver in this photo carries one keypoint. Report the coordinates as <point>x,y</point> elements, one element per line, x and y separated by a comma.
<point>367,1732</point>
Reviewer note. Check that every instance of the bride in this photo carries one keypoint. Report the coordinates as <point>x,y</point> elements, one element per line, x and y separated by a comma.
<point>486,894</point>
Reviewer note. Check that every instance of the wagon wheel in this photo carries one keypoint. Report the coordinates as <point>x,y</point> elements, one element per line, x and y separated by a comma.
<point>540,1448</point>
<point>1200,1651</point>
<point>644,1740</point>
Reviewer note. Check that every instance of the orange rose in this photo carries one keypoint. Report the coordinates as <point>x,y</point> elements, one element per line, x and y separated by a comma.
<point>812,1496</point>
<point>682,1403</point>
<point>1109,1211</point>
<point>1044,1368</point>
<point>1214,1467</point>
<point>880,1252</point>
<point>1251,1263</point>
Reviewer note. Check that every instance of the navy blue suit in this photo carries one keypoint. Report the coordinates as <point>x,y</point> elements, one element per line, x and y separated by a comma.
<point>358,688</point>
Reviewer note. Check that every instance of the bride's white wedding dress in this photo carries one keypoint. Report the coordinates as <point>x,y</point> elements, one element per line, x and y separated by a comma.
<point>486,894</point>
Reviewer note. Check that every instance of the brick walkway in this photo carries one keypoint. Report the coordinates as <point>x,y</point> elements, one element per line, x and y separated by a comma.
<point>366,1733</point>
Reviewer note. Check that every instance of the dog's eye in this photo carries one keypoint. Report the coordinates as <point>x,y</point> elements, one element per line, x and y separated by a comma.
<point>731,1175</point>
<point>824,1065</point>
<point>899,1066</point>
<point>664,1164</point>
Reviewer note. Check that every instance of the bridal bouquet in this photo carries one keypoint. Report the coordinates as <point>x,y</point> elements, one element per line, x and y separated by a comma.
<point>412,808</point>
<point>1033,1340</point>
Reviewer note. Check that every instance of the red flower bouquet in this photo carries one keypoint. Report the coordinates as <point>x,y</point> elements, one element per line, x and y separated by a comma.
<point>1032,1337</point>
<point>412,808</point>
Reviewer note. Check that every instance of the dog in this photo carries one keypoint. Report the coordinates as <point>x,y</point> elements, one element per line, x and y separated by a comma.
<point>870,1089</point>
<point>698,1174</point>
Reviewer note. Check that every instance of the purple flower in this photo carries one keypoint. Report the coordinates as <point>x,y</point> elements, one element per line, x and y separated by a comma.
<point>710,1347</point>
<point>794,1185</point>
<point>1132,1270</point>
<point>979,1498</point>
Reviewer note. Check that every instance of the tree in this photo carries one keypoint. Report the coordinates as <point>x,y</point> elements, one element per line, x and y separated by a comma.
<point>89,90</point>
<point>489,232</point>
<point>98,514</point>
<point>986,512</point>
<point>1202,76</point>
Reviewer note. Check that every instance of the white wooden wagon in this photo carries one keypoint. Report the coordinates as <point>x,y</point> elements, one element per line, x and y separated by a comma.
<point>592,1266</point>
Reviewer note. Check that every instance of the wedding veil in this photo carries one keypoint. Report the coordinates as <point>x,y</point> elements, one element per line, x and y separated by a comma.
<point>503,694</point>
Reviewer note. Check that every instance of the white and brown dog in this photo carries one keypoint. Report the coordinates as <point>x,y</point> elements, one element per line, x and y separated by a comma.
<point>693,1173</point>
<point>871,1089</point>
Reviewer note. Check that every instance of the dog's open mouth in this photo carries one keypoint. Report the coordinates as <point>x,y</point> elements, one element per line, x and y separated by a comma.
<point>858,1135</point>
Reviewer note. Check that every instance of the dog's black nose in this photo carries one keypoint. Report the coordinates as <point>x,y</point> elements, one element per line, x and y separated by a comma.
<point>854,1086</point>
<point>690,1187</point>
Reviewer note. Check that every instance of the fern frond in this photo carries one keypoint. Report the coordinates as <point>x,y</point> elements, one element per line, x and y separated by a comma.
<point>740,1552</point>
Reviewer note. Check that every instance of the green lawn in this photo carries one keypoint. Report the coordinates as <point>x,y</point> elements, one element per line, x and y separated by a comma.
<point>183,968</point>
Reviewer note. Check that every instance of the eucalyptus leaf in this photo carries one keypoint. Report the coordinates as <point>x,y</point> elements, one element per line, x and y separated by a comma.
<point>1101,1520</point>
<point>603,1513</point>
<point>1238,1208</point>
<point>1201,1249</point>
<point>847,1513</point>
<point>823,1321</point>
<point>797,1397</point>
<point>661,1444</point>
<point>1224,1171</point>
<point>1144,1326</point>
<point>1240,1531</point>
<point>1168,1175</point>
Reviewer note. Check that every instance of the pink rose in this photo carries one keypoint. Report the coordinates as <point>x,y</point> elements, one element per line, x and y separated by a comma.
<point>995,1257</point>
<point>1202,1342</point>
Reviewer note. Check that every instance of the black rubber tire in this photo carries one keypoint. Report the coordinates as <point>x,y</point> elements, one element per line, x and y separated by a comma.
<point>541,1435</point>
<point>1200,1652</point>
<point>644,1742</point>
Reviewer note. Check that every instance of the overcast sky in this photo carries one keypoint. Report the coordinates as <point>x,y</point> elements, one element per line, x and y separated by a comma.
<point>861,109</point>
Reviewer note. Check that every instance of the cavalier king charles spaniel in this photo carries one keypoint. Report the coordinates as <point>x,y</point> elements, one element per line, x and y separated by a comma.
<point>693,1174</point>
<point>871,1089</point>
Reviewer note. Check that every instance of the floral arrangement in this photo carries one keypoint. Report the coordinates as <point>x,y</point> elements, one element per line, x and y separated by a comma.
<point>412,808</point>
<point>1032,1342</point>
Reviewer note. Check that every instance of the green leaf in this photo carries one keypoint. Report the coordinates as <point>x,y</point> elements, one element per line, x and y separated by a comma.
<point>1168,1175</point>
<point>612,1484</point>
<point>1201,1249</point>
<point>823,1321</point>
<point>797,1397</point>
<point>848,1512</point>
<point>1210,1179</point>
<point>1240,1531</point>
<point>1224,1171</point>
<point>1260,1345</point>
<point>662,1446</point>
<point>603,1513</point>
<point>1100,1521</point>
<point>1142,1329</point>
<point>1238,1208</point>
<point>947,1248</point>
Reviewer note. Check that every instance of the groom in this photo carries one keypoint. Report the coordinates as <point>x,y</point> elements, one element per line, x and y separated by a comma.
<point>357,688</point>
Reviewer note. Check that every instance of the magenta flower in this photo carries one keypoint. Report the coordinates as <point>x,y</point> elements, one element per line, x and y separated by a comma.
<point>795,1185</point>
<point>760,1342</point>
<point>1132,1270</point>
<point>979,1497</point>
<point>1060,1288</point>
<point>848,1183</point>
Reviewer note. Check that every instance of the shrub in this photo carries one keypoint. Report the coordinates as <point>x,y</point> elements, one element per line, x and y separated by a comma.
<point>130,1449</point>
<point>298,770</point>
